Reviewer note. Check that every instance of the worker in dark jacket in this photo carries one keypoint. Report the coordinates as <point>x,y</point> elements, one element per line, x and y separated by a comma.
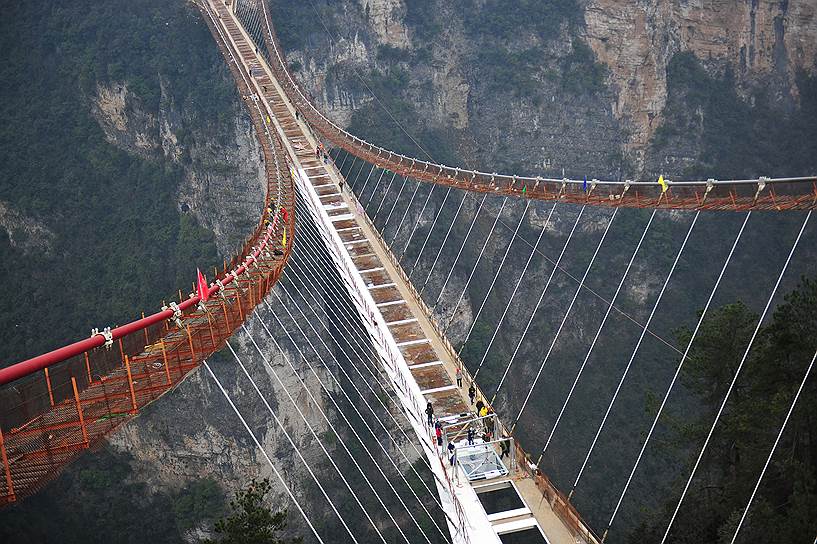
<point>430,413</point>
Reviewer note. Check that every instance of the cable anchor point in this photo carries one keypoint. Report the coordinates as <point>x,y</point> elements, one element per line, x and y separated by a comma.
<point>177,313</point>
<point>106,334</point>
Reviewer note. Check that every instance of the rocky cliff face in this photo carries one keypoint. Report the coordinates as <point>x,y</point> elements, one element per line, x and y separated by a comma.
<point>764,42</point>
<point>529,100</point>
<point>223,184</point>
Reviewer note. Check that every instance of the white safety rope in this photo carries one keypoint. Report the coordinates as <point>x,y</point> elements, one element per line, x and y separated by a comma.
<point>476,265</point>
<point>394,204</point>
<point>431,230</point>
<point>417,222</point>
<point>297,450</point>
<point>318,440</point>
<point>442,246</point>
<point>403,218</point>
<point>774,447</point>
<point>366,183</point>
<point>598,332</point>
<point>349,400</point>
<point>496,275</point>
<point>460,250</point>
<point>385,194</point>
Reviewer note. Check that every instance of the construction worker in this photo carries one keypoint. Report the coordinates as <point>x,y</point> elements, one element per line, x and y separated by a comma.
<point>472,392</point>
<point>470,436</point>
<point>480,406</point>
<point>430,414</point>
<point>452,454</point>
<point>458,375</point>
<point>489,423</point>
<point>439,432</point>
<point>505,446</point>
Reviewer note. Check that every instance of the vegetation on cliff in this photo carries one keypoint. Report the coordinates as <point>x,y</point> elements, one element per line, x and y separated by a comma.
<point>120,243</point>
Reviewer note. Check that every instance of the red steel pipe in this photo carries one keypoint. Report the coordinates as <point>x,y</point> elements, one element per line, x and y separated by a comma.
<point>35,364</point>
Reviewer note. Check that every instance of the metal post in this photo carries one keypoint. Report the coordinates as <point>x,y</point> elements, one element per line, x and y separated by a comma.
<point>130,383</point>
<point>79,412</point>
<point>210,325</point>
<point>167,367</point>
<point>9,483</point>
<point>192,351</point>
<point>48,384</point>
<point>147,340</point>
<point>88,369</point>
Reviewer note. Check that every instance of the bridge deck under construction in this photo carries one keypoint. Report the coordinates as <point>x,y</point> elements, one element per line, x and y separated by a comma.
<point>430,359</point>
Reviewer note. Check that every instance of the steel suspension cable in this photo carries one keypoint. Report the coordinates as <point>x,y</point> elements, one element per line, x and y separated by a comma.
<point>774,447</point>
<point>340,169</point>
<point>515,289</point>
<point>315,436</point>
<point>394,204</point>
<point>598,332</point>
<point>737,372</point>
<point>352,383</point>
<point>493,280</point>
<point>366,184</point>
<point>403,218</point>
<point>360,171</point>
<point>334,403</point>
<point>374,360</point>
<point>564,320</point>
<point>363,344</point>
<point>460,250</point>
<point>377,418</point>
<point>385,194</point>
<point>365,347</point>
<point>263,452</point>
<point>416,223</point>
<point>476,264</point>
<point>635,351</point>
<point>431,230</point>
<point>678,370</point>
<point>300,455</point>
<point>374,190</point>
<point>538,303</point>
<point>442,246</point>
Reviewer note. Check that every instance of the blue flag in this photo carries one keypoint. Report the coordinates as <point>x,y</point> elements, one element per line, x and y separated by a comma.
<point>584,185</point>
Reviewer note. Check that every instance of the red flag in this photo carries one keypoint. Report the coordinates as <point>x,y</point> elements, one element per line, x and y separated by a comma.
<point>202,287</point>
<point>284,213</point>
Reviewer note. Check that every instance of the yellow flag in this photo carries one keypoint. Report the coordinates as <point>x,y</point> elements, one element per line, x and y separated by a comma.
<point>284,239</point>
<point>269,121</point>
<point>663,184</point>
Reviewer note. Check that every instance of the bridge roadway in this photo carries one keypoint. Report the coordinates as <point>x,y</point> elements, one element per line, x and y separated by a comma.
<point>426,354</point>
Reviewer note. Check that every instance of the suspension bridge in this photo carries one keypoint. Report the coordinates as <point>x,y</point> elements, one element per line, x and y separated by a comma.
<point>321,263</point>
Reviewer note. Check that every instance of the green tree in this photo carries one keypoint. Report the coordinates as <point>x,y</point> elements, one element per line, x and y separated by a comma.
<point>251,521</point>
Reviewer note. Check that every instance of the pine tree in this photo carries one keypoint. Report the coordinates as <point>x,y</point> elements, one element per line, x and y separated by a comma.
<point>251,521</point>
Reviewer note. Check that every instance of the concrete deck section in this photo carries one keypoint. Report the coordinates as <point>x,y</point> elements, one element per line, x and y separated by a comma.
<point>431,365</point>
